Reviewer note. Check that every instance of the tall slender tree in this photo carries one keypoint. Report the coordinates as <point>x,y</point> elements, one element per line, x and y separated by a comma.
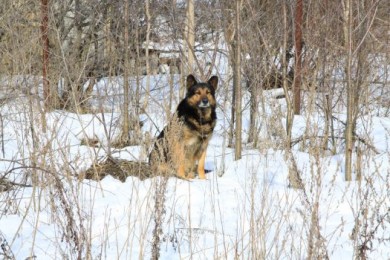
<point>349,143</point>
<point>147,56</point>
<point>298,56</point>
<point>45,49</point>
<point>45,59</point>
<point>126,88</point>
<point>237,83</point>
<point>190,35</point>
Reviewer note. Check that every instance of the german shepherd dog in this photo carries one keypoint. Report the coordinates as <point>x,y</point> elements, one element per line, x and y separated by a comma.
<point>183,142</point>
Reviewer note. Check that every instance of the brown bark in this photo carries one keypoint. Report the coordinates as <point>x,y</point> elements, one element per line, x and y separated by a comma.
<point>298,56</point>
<point>237,84</point>
<point>190,35</point>
<point>349,143</point>
<point>147,57</point>
<point>45,56</point>
<point>126,87</point>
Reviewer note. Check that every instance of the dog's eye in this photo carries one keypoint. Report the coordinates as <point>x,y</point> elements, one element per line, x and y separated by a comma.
<point>197,93</point>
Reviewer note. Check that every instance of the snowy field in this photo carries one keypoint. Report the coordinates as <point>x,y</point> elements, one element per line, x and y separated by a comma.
<point>244,210</point>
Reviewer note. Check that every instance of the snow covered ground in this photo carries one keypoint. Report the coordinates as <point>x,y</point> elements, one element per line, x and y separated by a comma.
<point>245,209</point>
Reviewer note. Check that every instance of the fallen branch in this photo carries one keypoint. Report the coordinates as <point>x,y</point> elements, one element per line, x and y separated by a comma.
<point>357,138</point>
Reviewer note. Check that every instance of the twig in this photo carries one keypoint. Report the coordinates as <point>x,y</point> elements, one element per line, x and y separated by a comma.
<point>7,253</point>
<point>360,139</point>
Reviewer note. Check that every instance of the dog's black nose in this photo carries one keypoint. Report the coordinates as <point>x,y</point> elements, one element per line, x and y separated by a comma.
<point>205,101</point>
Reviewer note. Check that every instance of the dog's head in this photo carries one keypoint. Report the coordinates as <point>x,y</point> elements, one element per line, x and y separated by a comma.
<point>201,94</point>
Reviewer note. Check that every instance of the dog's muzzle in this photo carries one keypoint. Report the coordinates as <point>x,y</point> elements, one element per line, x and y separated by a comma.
<point>204,103</point>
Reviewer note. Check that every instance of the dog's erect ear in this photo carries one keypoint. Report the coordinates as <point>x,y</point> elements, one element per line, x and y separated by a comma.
<point>213,81</point>
<point>191,81</point>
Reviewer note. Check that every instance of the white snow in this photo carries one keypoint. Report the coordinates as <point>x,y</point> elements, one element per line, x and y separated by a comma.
<point>244,209</point>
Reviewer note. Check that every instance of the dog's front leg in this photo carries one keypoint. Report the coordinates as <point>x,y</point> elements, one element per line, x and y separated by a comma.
<point>181,173</point>
<point>201,163</point>
<point>179,159</point>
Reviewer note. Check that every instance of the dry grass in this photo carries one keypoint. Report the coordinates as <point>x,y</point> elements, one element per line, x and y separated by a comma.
<point>119,169</point>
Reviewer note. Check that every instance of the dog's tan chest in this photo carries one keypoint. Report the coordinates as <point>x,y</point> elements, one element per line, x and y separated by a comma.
<point>191,141</point>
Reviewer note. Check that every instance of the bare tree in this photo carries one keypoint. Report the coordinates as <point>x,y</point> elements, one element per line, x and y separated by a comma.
<point>45,51</point>
<point>190,35</point>
<point>298,56</point>
<point>350,91</point>
<point>147,43</point>
<point>293,173</point>
<point>45,60</point>
<point>356,68</point>
<point>126,88</point>
<point>237,82</point>
<point>232,29</point>
<point>229,34</point>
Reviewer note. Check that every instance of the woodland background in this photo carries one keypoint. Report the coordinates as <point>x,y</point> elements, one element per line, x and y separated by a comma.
<point>328,58</point>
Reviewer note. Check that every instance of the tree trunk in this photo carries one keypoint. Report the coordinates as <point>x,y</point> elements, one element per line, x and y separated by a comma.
<point>190,34</point>
<point>298,56</point>
<point>126,88</point>
<point>134,116</point>
<point>45,59</point>
<point>253,90</point>
<point>45,44</point>
<point>229,33</point>
<point>237,84</point>
<point>147,13</point>
<point>290,112</point>
<point>349,142</point>
<point>293,175</point>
